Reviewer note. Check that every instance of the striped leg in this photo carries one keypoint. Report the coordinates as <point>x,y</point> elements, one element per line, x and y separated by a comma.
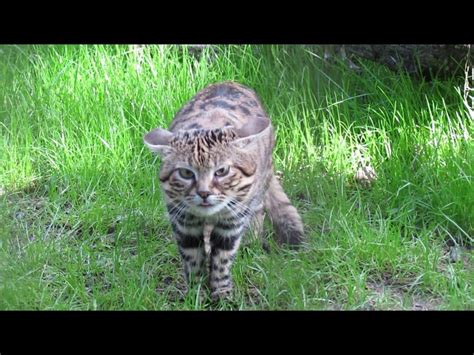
<point>194,257</point>
<point>188,233</point>
<point>224,245</point>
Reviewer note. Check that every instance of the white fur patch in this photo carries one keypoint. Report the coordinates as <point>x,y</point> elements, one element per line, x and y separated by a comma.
<point>207,237</point>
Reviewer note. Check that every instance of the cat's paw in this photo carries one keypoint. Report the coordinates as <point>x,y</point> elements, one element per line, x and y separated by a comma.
<point>221,294</point>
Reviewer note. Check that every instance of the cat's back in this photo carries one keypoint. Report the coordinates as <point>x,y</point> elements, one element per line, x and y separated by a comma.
<point>219,105</point>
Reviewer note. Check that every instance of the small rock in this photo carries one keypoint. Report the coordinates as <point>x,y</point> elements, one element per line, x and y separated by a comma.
<point>168,280</point>
<point>365,175</point>
<point>19,215</point>
<point>418,307</point>
<point>111,229</point>
<point>279,175</point>
<point>454,254</point>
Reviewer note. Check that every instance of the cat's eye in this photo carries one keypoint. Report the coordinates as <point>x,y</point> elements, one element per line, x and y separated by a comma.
<point>186,173</point>
<point>222,171</point>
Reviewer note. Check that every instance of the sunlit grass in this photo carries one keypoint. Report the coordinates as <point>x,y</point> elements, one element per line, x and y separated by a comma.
<point>83,223</point>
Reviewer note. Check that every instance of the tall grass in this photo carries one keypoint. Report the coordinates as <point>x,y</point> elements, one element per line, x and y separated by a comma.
<point>83,224</point>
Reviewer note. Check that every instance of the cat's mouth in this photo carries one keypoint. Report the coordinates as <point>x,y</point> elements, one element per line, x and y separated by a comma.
<point>206,208</point>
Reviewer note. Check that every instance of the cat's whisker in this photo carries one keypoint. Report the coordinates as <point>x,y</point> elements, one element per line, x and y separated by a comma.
<point>241,205</point>
<point>176,208</point>
<point>239,210</point>
<point>180,212</point>
<point>177,211</point>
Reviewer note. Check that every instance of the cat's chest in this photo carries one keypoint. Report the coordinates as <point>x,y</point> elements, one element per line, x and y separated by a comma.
<point>197,226</point>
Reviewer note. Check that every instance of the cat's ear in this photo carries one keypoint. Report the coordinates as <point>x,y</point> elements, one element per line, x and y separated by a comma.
<point>252,131</point>
<point>158,140</point>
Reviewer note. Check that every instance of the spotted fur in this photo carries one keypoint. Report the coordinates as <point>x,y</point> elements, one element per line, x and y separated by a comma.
<point>217,178</point>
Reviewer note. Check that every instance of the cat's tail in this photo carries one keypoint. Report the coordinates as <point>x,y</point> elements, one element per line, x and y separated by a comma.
<point>286,221</point>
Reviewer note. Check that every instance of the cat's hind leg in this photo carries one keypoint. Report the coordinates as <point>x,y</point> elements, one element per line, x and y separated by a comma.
<point>255,232</point>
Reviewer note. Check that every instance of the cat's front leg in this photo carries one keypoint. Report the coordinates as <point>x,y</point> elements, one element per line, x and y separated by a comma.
<point>224,245</point>
<point>193,255</point>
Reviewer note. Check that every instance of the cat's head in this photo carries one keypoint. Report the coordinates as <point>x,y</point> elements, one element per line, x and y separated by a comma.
<point>205,170</point>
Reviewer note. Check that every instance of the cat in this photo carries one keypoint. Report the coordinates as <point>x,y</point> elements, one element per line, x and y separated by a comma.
<point>217,177</point>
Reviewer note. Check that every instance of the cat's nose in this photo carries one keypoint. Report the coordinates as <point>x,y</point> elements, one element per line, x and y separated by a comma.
<point>204,194</point>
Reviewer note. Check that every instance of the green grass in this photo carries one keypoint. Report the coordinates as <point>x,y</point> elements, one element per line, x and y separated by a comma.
<point>82,222</point>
